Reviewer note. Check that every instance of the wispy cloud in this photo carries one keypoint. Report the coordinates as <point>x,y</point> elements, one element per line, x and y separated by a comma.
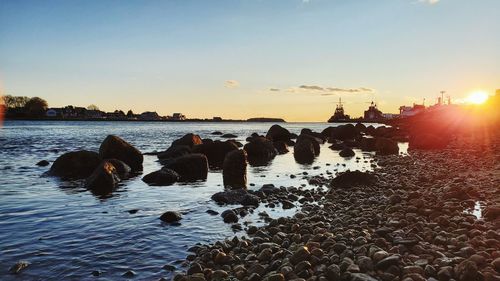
<point>324,91</point>
<point>231,84</point>
<point>432,2</point>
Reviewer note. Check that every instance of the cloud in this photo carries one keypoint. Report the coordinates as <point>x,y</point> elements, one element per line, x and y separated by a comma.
<point>274,89</point>
<point>432,2</point>
<point>231,84</point>
<point>324,91</point>
<point>314,88</point>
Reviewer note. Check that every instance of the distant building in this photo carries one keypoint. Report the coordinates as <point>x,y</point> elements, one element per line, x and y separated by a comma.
<point>94,114</point>
<point>73,112</point>
<point>178,116</point>
<point>216,118</point>
<point>53,112</point>
<point>373,113</point>
<point>116,115</point>
<point>150,116</point>
<point>389,115</point>
<point>407,111</point>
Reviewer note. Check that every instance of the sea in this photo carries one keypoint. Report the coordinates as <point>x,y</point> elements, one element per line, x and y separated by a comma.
<point>65,232</point>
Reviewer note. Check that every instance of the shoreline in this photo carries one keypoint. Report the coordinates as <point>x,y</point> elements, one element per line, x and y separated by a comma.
<point>414,222</point>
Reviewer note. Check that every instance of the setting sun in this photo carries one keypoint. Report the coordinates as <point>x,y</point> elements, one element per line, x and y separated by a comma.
<point>477,97</point>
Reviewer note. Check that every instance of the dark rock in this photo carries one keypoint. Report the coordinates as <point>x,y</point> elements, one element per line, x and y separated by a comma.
<point>217,133</point>
<point>389,261</point>
<point>368,144</point>
<point>347,152</point>
<point>303,151</point>
<point>212,212</point>
<point>215,151</point>
<point>386,146</point>
<point>427,141</point>
<point>361,277</point>
<point>115,147</point>
<point>121,167</point>
<point>129,274</point>
<point>281,147</point>
<point>301,254</point>
<point>174,152</point>
<point>171,216</point>
<point>188,140</point>
<point>234,171</point>
<point>260,151</point>
<point>103,180</point>
<point>43,163</point>
<point>237,196</point>
<point>18,267</point>
<point>343,132</point>
<point>354,178</point>
<point>337,145</point>
<point>75,165</point>
<point>229,136</point>
<point>161,177</point>
<point>278,133</point>
<point>229,216</point>
<point>314,140</point>
<point>287,204</point>
<point>492,212</point>
<point>190,167</point>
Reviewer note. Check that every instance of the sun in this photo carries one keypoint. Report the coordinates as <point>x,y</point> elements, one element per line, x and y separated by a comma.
<point>478,97</point>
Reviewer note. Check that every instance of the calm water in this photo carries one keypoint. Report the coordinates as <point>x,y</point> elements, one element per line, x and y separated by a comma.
<point>65,232</point>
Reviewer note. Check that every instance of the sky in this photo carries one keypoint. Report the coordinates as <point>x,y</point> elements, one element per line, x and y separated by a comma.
<point>290,59</point>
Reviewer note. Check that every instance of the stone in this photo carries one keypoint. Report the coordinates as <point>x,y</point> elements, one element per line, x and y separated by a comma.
<point>115,147</point>
<point>389,261</point>
<point>171,216</point>
<point>188,140</point>
<point>161,177</point>
<point>302,254</point>
<point>385,146</point>
<point>190,167</point>
<point>215,151</point>
<point>43,163</point>
<point>234,171</point>
<point>229,216</point>
<point>303,151</point>
<point>354,178</point>
<point>278,133</point>
<point>122,169</point>
<point>18,267</point>
<point>236,196</point>
<point>347,152</point>
<point>103,180</point>
<point>75,165</point>
<point>260,151</point>
<point>427,141</point>
<point>174,152</point>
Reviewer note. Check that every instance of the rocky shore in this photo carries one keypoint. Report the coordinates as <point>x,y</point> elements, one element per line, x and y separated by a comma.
<point>413,218</point>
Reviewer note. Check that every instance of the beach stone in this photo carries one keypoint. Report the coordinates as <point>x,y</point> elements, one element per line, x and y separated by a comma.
<point>287,204</point>
<point>361,277</point>
<point>276,277</point>
<point>347,152</point>
<point>121,167</point>
<point>368,144</point>
<point>43,163</point>
<point>174,152</point>
<point>278,133</point>
<point>355,178</point>
<point>103,180</point>
<point>260,150</point>
<point>75,165</point>
<point>303,151</point>
<point>229,216</point>
<point>171,216</point>
<point>219,275</point>
<point>161,177</point>
<point>343,132</point>
<point>115,147</point>
<point>427,141</point>
<point>301,254</point>
<point>281,147</point>
<point>234,171</point>
<point>316,141</point>
<point>236,196</point>
<point>215,151</point>
<point>385,146</point>
<point>492,212</point>
<point>496,264</point>
<point>190,167</point>
<point>188,140</point>
<point>389,261</point>
<point>229,136</point>
<point>197,277</point>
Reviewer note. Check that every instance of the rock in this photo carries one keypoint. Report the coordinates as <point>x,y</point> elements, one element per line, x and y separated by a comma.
<point>260,151</point>
<point>103,180</point>
<point>368,144</point>
<point>276,277</point>
<point>115,147</point>
<point>337,145</point>
<point>75,165</point>
<point>188,140</point>
<point>427,141</point>
<point>129,274</point>
<point>492,212</point>
<point>281,147</point>
<point>347,152</point>
<point>385,146</point>
<point>215,151</point>
<point>18,267</point>
<point>217,133</point>
<point>229,216</point>
<point>174,152</point>
<point>161,177</point>
<point>303,151</point>
<point>171,216</point>
<point>43,163</point>
<point>190,167</point>
<point>220,275</point>
<point>389,261</point>
<point>496,264</point>
<point>361,277</point>
<point>301,254</point>
<point>237,196</point>
<point>121,167</point>
<point>287,204</point>
<point>467,271</point>
<point>229,136</point>
<point>343,132</point>
<point>355,178</point>
<point>234,171</point>
<point>314,140</point>
<point>278,133</point>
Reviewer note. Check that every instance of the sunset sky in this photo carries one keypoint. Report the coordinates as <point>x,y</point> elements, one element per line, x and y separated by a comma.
<point>291,59</point>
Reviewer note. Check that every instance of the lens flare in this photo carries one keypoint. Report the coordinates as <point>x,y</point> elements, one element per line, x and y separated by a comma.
<point>477,97</point>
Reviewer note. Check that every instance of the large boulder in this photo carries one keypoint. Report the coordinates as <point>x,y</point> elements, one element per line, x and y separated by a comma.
<point>281,147</point>
<point>115,147</point>
<point>236,196</point>
<point>360,127</point>
<point>260,150</point>
<point>174,152</point>
<point>343,132</point>
<point>103,180</point>
<point>190,167</point>
<point>347,152</point>
<point>353,178</point>
<point>318,136</point>
<point>75,165</point>
<point>121,167</point>
<point>234,171</point>
<point>189,140</point>
<point>368,144</point>
<point>427,141</point>
<point>278,133</point>
<point>215,151</point>
<point>161,177</point>
<point>314,140</point>
<point>386,146</point>
<point>303,150</point>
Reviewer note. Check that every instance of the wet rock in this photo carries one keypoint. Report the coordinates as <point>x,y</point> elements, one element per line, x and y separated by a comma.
<point>354,178</point>
<point>314,140</point>
<point>103,180</point>
<point>229,216</point>
<point>368,144</point>
<point>389,261</point>
<point>467,271</point>
<point>18,267</point>
<point>496,264</point>
<point>492,212</point>
<point>220,275</point>
<point>276,277</point>
<point>278,133</point>
<point>188,140</point>
<point>361,277</point>
<point>237,196</point>
<point>303,151</point>
<point>75,165</point>
<point>171,216</point>
<point>129,274</point>
<point>343,132</point>
<point>190,167</point>
<point>229,136</point>
<point>217,133</point>
<point>43,163</point>
<point>260,151</point>
<point>287,204</point>
<point>215,151</point>
<point>115,147</point>
<point>234,172</point>
<point>161,177</point>
<point>427,141</point>
<point>121,167</point>
<point>301,254</point>
<point>386,146</point>
<point>174,152</point>
<point>281,147</point>
<point>347,152</point>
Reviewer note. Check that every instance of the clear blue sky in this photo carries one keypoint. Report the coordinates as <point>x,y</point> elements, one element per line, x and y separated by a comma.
<point>221,58</point>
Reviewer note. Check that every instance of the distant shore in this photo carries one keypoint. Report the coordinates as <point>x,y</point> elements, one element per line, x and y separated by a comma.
<point>259,120</point>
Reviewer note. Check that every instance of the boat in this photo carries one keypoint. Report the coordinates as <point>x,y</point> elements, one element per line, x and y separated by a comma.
<point>339,115</point>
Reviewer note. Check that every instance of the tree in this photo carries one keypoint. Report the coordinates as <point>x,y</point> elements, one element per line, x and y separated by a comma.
<point>92,107</point>
<point>36,107</point>
<point>130,113</point>
<point>14,102</point>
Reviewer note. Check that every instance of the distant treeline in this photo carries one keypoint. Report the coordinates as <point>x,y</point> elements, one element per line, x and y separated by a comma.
<point>20,106</point>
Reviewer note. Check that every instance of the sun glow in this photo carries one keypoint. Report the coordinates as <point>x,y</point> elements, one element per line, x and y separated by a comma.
<point>478,97</point>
